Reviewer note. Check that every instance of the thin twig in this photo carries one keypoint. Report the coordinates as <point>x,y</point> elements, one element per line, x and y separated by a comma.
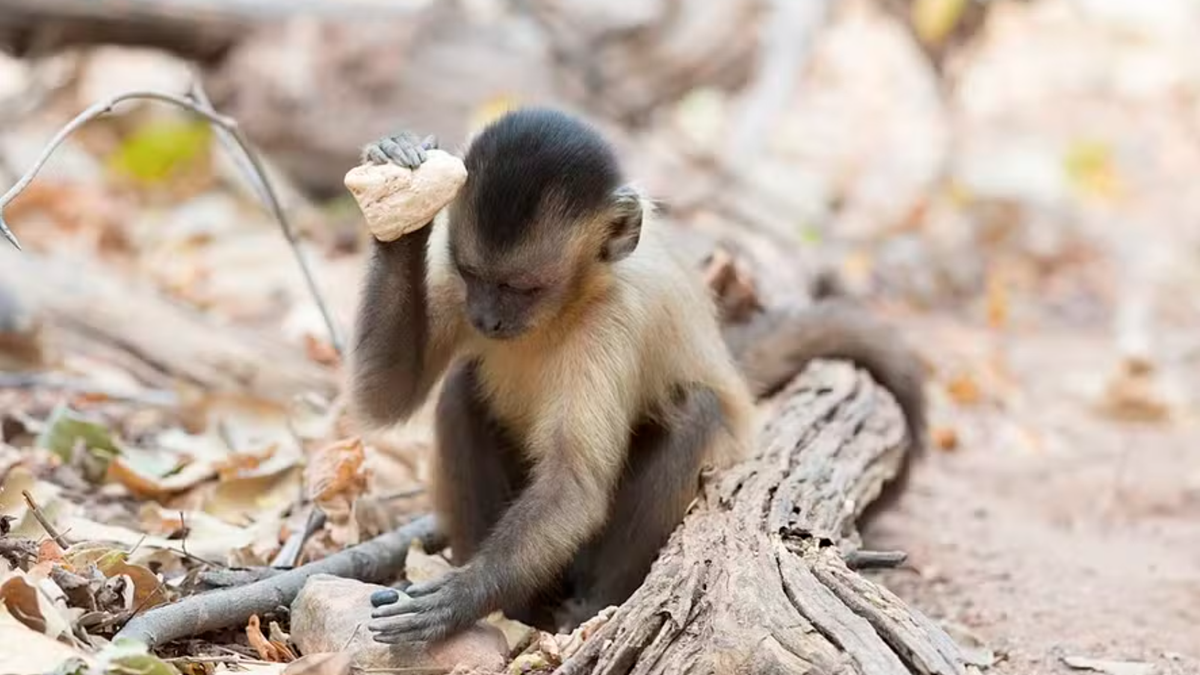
<point>228,142</point>
<point>230,128</point>
<point>227,658</point>
<point>41,518</point>
<point>289,554</point>
<point>874,560</point>
<point>191,556</point>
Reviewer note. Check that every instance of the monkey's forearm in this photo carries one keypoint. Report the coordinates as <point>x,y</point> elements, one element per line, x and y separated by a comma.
<point>535,540</point>
<point>539,535</point>
<point>391,362</point>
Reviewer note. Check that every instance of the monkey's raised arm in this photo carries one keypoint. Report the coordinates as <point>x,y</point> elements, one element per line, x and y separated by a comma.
<point>407,331</point>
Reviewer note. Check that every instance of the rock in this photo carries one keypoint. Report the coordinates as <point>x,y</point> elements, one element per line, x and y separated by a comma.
<point>330,614</point>
<point>396,200</point>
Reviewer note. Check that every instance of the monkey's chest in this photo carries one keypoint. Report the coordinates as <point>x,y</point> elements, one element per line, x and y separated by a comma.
<point>522,397</point>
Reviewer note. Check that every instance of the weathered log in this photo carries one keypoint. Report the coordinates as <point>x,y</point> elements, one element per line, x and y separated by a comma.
<point>202,30</point>
<point>754,580</point>
<point>166,339</point>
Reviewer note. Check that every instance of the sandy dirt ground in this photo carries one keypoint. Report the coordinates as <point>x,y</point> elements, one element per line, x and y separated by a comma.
<point>1052,530</point>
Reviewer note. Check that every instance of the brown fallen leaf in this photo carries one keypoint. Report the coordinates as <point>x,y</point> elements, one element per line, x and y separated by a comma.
<point>321,663</point>
<point>1133,393</point>
<point>244,464</point>
<point>944,438</point>
<point>148,590</point>
<point>38,654</point>
<point>49,551</point>
<point>20,597</point>
<point>336,478</point>
<point>964,389</point>
<point>268,650</point>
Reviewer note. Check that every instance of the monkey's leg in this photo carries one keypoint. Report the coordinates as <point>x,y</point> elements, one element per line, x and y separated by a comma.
<point>478,469</point>
<point>658,485</point>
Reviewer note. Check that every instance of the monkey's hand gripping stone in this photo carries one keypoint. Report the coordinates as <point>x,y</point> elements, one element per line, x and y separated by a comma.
<point>396,200</point>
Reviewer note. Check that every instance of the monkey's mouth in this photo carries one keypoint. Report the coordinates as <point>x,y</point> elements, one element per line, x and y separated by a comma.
<point>501,333</point>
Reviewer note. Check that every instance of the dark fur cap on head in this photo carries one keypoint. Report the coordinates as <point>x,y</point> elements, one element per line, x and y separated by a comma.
<point>522,161</point>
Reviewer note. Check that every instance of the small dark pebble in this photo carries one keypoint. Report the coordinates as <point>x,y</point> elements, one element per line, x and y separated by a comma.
<point>384,597</point>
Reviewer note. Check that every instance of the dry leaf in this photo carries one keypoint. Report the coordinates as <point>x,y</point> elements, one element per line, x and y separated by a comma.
<point>38,654</point>
<point>245,464</point>
<point>336,478</point>
<point>335,472</point>
<point>321,663</point>
<point>964,389</point>
<point>148,476</point>
<point>944,438</point>
<point>268,650</point>
<point>260,496</point>
<point>1133,393</point>
<point>49,551</point>
<point>12,503</point>
<point>20,596</point>
<point>148,590</point>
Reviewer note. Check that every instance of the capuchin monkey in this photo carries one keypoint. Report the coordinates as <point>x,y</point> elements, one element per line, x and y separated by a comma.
<point>585,380</point>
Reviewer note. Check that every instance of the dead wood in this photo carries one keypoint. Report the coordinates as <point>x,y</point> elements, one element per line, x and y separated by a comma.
<point>87,305</point>
<point>203,31</point>
<point>754,580</point>
<point>378,560</point>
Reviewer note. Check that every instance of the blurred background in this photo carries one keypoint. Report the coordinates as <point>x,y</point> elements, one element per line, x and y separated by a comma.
<point>1011,181</point>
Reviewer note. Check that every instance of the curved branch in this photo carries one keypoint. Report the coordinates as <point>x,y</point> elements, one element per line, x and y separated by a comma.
<point>229,128</point>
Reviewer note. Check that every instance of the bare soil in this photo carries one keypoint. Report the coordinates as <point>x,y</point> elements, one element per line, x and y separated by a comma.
<point>1053,529</point>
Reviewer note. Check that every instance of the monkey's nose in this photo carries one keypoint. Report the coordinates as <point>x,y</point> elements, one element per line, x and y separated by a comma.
<point>488,325</point>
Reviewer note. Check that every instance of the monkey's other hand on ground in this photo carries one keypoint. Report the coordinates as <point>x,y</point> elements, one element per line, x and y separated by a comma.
<point>402,183</point>
<point>432,611</point>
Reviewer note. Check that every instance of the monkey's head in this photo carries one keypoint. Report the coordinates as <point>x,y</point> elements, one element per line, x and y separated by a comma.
<point>542,215</point>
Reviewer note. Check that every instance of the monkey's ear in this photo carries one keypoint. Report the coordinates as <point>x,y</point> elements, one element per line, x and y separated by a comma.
<point>625,227</point>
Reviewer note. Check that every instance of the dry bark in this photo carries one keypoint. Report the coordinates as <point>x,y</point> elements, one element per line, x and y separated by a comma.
<point>168,341</point>
<point>754,580</point>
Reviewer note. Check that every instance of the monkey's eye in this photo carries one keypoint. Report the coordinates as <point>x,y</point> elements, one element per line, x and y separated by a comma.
<point>527,291</point>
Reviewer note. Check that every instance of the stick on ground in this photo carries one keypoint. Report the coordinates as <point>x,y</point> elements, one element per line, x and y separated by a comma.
<point>378,560</point>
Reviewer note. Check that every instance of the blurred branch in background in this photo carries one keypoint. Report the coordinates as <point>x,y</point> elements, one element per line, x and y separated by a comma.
<point>199,29</point>
<point>229,132</point>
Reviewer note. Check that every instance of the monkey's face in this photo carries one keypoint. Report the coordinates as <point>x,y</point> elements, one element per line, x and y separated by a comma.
<point>510,293</point>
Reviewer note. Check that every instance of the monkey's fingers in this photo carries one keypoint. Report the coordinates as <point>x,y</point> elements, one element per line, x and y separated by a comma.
<point>432,625</point>
<point>401,152</point>
<point>374,155</point>
<point>427,587</point>
<point>430,142</point>
<point>386,596</point>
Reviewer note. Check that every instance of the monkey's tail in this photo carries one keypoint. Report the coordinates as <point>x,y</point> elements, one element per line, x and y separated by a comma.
<point>777,345</point>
